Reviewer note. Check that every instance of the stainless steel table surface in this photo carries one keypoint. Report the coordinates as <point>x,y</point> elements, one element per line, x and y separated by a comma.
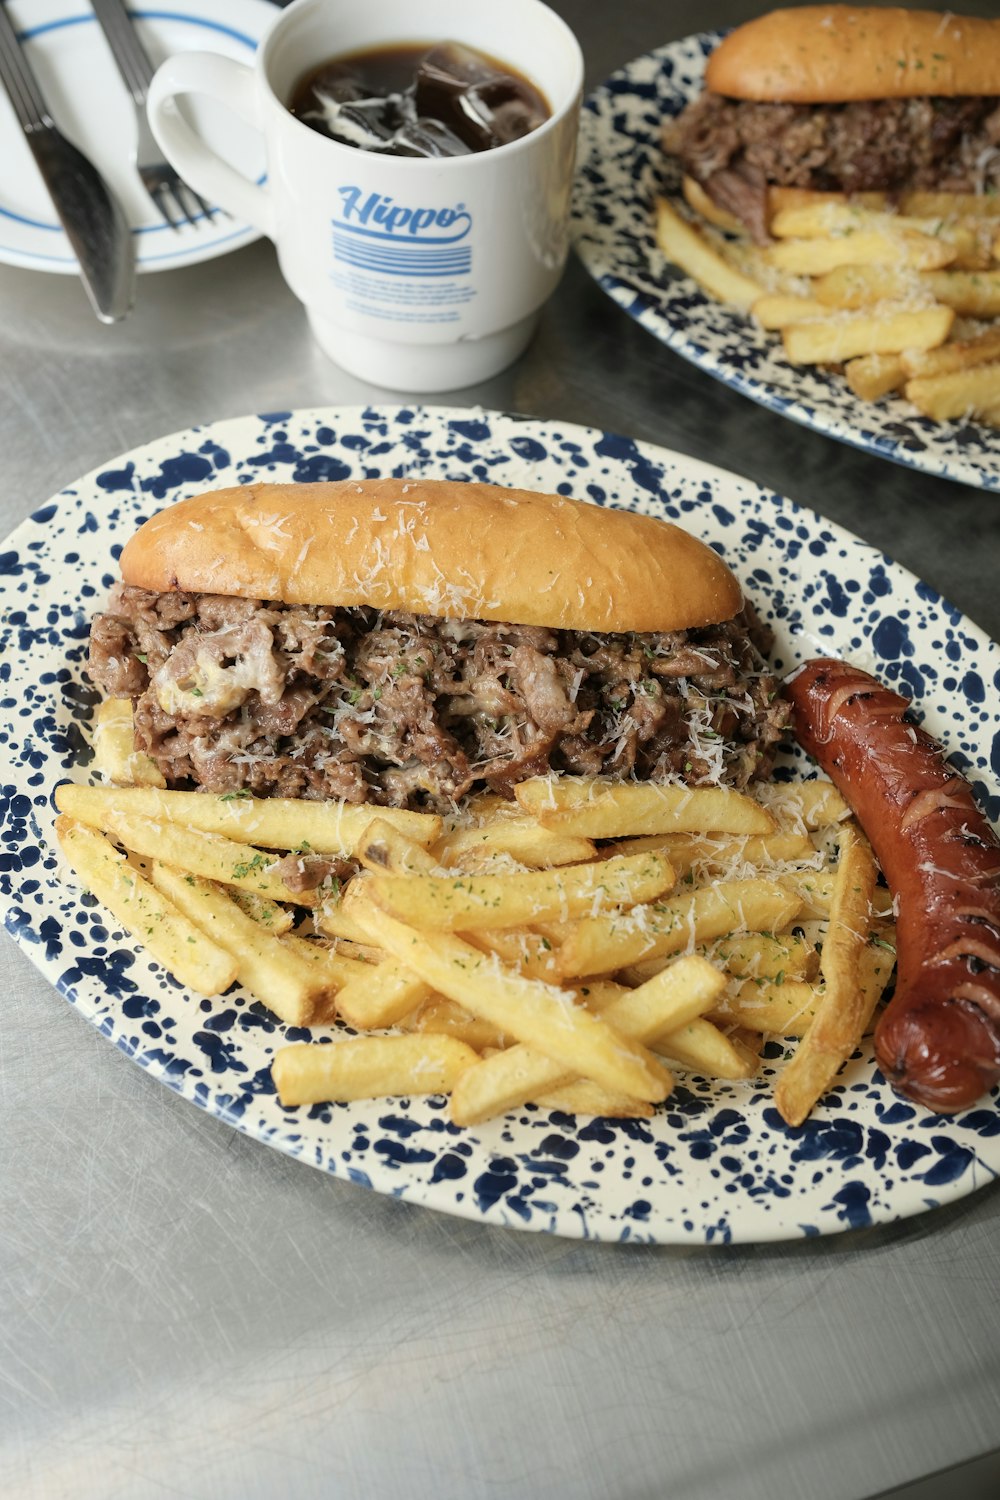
<point>187,1313</point>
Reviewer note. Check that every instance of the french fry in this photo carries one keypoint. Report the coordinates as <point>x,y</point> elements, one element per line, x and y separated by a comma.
<point>269,914</point>
<point>209,855</point>
<point>700,1047</point>
<point>814,890</point>
<point>365,953</point>
<point>115,755</point>
<point>369,1068</point>
<point>682,244</point>
<point>605,944</point>
<point>539,1014</point>
<point>846,1006</point>
<point>386,849</point>
<point>490,807</point>
<point>876,965</point>
<point>853,287</point>
<point>386,992</point>
<point>751,261</point>
<point>444,1017</point>
<point>746,1039</point>
<point>332,919</point>
<point>522,839</point>
<point>889,330</point>
<point>164,931</point>
<point>601,809</point>
<point>813,257</point>
<point>962,393</point>
<point>786,1009</point>
<point>751,955</point>
<point>767,955</point>
<point>269,966</point>
<point>960,354</point>
<point>697,199</point>
<point>805,804</point>
<point>944,205</point>
<point>457,902</point>
<point>585,1098</point>
<point>844,216</point>
<point>781,198</point>
<point>272,822</point>
<point>973,294</point>
<point>337,968</point>
<point>687,852</point>
<point>534,954</point>
<point>522,1072</point>
<point>969,239</point>
<point>872,376</point>
<point>779,309</point>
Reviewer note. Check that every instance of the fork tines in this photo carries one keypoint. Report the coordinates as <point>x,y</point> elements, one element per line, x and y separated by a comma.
<point>173,197</point>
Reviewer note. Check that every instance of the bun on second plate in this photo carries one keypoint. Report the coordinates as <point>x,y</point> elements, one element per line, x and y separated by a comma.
<point>832,54</point>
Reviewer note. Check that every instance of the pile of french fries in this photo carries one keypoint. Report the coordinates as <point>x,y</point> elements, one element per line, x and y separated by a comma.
<point>576,949</point>
<point>902,297</point>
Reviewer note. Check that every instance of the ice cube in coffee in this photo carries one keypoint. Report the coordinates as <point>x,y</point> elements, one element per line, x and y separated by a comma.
<point>412,100</point>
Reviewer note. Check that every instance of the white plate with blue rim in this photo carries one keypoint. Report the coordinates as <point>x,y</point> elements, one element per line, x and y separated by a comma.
<point>715,1164</point>
<point>84,90</point>
<point>621,169</point>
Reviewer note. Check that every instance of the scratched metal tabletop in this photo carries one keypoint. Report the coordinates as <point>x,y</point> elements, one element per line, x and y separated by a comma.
<point>184,1312</point>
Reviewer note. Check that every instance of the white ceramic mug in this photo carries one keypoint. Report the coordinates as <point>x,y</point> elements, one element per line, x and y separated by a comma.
<point>416,274</point>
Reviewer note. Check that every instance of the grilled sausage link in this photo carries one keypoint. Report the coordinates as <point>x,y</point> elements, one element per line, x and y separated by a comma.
<point>938,1040</point>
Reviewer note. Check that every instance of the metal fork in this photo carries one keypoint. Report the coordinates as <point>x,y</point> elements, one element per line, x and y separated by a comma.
<point>175,200</point>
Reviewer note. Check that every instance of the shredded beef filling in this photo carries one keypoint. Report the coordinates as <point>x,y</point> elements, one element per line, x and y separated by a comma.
<point>735,148</point>
<point>415,711</point>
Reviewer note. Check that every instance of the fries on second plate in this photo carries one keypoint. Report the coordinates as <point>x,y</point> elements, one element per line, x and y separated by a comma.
<point>888,330</point>
<point>681,243</point>
<point>960,393</point>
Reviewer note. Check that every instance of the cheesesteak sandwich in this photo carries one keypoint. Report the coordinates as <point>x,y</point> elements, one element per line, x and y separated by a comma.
<point>844,98</point>
<point>409,642</point>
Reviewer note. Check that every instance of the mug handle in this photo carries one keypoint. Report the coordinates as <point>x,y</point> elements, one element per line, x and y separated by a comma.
<point>234,85</point>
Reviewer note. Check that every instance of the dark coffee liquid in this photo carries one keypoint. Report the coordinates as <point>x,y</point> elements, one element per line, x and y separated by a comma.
<point>411,100</point>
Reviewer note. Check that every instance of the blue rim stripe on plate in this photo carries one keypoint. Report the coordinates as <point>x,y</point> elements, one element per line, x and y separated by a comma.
<point>184,17</point>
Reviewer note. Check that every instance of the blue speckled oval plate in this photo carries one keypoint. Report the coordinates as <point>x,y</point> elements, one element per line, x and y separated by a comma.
<point>621,170</point>
<point>716,1163</point>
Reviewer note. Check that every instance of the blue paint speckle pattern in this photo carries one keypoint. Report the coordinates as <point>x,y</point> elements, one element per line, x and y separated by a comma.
<point>621,170</point>
<point>716,1164</point>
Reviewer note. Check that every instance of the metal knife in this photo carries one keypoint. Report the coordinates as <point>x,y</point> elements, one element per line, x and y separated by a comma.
<point>92,218</point>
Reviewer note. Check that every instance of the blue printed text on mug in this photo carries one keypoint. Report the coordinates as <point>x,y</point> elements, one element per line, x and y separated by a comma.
<point>378,214</point>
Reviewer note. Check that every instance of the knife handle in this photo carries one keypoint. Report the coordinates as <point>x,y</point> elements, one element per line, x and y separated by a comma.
<point>235,86</point>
